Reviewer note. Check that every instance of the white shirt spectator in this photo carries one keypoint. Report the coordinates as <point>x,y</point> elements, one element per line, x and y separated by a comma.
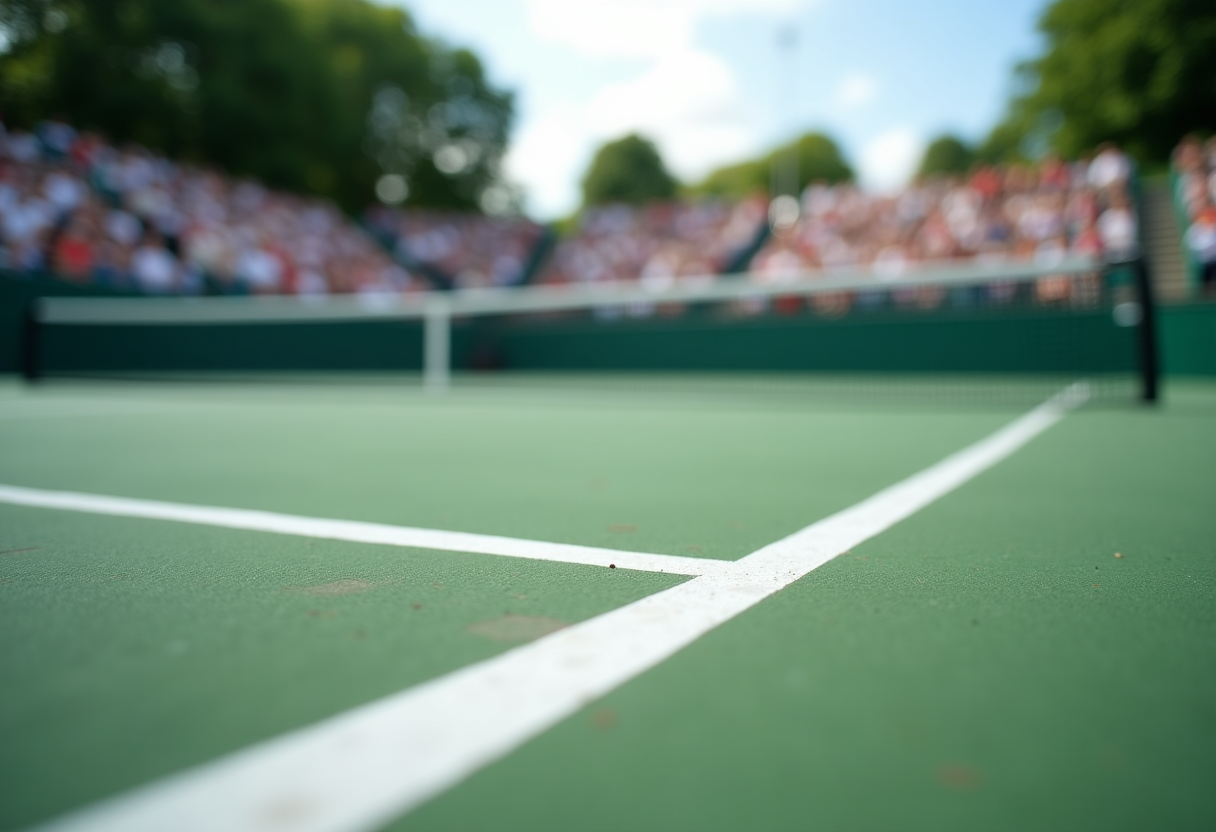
<point>1117,228</point>
<point>1201,239</point>
<point>24,220</point>
<point>63,190</point>
<point>1109,168</point>
<point>260,269</point>
<point>154,268</point>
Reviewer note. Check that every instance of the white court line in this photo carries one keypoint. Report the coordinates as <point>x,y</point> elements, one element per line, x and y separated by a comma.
<point>362,768</point>
<point>359,532</point>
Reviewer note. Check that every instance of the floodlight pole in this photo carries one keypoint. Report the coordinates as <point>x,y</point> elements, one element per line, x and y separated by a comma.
<point>437,345</point>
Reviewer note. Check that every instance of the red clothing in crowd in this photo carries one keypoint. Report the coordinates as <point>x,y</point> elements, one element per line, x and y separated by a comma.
<point>74,257</point>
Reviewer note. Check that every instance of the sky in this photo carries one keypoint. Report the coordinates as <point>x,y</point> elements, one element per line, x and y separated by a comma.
<point>718,81</point>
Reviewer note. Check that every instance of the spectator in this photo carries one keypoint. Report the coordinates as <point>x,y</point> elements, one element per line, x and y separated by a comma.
<point>112,264</point>
<point>74,251</point>
<point>57,138</point>
<point>1110,168</point>
<point>154,268</point>
<point>1201,240</point>
<point>1117,228</point>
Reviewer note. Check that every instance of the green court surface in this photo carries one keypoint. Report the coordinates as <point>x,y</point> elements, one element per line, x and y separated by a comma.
<point>989,662</point>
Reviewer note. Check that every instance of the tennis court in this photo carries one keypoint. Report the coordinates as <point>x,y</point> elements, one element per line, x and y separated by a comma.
<point>1021,634</point>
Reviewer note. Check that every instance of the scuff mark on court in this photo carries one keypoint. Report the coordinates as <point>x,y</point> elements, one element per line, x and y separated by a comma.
<point>959,777</point>
<point>512,628</point>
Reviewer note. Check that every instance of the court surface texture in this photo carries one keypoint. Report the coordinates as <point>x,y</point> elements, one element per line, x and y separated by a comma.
<point>350,605</point>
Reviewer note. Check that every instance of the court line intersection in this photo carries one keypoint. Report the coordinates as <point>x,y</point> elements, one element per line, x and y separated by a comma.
<point>362,768</point>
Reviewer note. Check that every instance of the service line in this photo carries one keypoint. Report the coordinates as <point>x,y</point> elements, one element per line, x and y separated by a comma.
<point>362,768</point>
<point>358,532</point>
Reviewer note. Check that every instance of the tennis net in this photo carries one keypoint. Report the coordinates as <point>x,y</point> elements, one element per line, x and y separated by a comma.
<point>965,328</point>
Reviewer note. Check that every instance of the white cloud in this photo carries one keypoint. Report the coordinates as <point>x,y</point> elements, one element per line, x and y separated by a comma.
<point>856,90</point>
<point>888,160</point>
<point>635,28</point>
<point>549,154</point>
<point>684,98</point>
<point>688,102</point>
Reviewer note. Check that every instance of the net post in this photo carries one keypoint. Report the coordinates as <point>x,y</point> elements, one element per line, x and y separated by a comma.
<point>31,363</point>
<point>437,342</point>
<point>1150,367</point>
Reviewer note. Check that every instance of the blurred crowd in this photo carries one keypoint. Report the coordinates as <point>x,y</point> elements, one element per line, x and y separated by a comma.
<point>76,207</point>
<point>1195,172</point>
<point>657,244</point>
<point>464,250</point>
<point>1039,213</point>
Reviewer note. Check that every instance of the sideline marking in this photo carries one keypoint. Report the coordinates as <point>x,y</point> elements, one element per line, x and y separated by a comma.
<point>363,768</point>
<point>359,532</point>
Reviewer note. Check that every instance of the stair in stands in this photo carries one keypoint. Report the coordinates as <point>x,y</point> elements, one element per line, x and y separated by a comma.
<point>1163,241</point>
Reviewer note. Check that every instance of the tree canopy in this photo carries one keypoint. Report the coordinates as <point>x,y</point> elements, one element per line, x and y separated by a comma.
<point>819,158</point>
<point>946,154</point>
<point>1138,72</point>
<point>628,170</point>
<point>323,96</point>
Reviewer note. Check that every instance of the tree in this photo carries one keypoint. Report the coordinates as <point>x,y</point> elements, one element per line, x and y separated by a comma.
<point>1141,73</point>
<point>946,154</point>
<point>819,158</point>
<point>627,170</point>
<point>409,105</point>
<point>322,96</point>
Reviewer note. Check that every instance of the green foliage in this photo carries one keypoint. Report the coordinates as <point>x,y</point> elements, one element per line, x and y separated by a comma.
<point>946,154</point>
<point>1138,72</point>
<point>1002,144</point>
<point>819,158</point>
<point>321,96</point>
<point>627,170</point>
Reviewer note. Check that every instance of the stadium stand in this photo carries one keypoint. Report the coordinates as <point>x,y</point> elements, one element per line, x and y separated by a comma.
<point>461,250</point>
<point>1037,214</point>
<point>126,218</point>
<point>657,244</point>
<point>1194,180</point>
<point>92,214</point>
